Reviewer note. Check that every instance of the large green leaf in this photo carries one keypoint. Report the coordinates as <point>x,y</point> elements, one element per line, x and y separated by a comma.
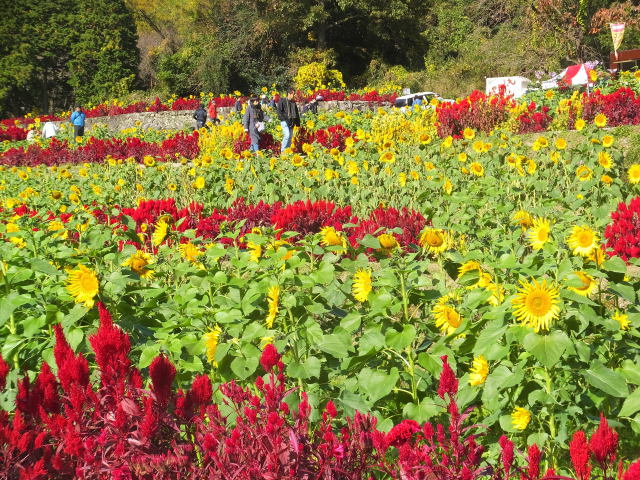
<point>377,384</point>
<point>631,405</point>
<point>605,379</point>
<point>547,348</point>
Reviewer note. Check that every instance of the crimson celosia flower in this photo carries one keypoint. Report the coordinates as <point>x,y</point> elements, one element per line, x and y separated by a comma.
<point>623,234</point>
<point>48,388</point>
<point>579,451</point>
<point>72,370</point>
<point>402,433</point>
<point>533,462</point>
<point>331,409</point>
<point>448,381</point>
<point>111,346</point>
<point>507,454</point>
<point>633,472</point>
<point>201,390</point>
<point>269,358</point>
<point>604,443</point>
<point>162,373</point>
<point>4,371</point>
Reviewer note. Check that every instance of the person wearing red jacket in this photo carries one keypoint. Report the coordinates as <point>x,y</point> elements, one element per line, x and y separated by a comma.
<point>213,112</point>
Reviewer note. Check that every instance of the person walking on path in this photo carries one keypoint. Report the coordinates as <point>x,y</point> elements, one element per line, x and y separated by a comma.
<point>200,116</point>
<point>78,118</point>
<point>289,116</point>
<point>253,122</point>
<point>213,112</point>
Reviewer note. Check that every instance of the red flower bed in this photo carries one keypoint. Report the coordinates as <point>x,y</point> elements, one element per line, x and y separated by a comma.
<point>477,111</point>
<point>13,133</point>
<point>305,218</point>
<point>66,427</point>
<point>334,136</point>
<point>96,150</point>
<point>623,234</point>
<point>621,107</point>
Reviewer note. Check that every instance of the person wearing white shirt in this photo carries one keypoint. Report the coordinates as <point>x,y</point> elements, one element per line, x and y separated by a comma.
<point>49,130</point>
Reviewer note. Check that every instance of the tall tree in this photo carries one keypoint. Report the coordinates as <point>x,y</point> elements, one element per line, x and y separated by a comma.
<point>104,55</point>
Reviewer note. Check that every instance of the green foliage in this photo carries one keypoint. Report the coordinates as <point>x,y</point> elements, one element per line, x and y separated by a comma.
<point>104,56</point>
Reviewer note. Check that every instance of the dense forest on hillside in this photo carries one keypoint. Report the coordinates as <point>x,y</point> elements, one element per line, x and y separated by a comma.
<point>53,54</point>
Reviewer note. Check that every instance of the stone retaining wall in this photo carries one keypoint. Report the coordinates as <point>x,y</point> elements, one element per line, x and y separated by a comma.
<point>178,120</point>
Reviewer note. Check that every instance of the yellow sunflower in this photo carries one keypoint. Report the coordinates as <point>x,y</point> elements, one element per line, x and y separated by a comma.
<point>634,173</point>
<point>561,143</point>
<point>607,141</point>
<point>435,240</point>
<point>606,179</point>
<point>471,266</point>
<point>476,169</point>
<point>583,173</point>
<point>588,285</point>
<point>597,256</point>
<point>160,233</point>
<point>469,133</point>
<point>582,240</point>
<point>388,242</point>
<point>478,146</point>
<point>138,262</point>
<point>539,233</point>
<point>600,120</point>
<point>445,315</point>
<point>520,418</point>
<point>479,371</point>
<point>361,285</point>
<point>199,183</point>
<point>189,252</point>
<point>330,237</point>
<point>211,339</point>
<point>523,218</point>
<point>82,284</point>
<point>605,160</point>
<point>536,304</point>
<point>622,319</point>
<point>273,295</point>
<point>580,124</point>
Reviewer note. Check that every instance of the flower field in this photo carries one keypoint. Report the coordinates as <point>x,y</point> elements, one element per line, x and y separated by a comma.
<point>473,264</point>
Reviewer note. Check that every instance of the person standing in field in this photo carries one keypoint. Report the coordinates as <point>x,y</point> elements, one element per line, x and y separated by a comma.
<point>78,118</point>
<point>289,118</point>
<point>213,112</point>
<point>49,130</point>
<point>200,116</point>
<point>253,122</point>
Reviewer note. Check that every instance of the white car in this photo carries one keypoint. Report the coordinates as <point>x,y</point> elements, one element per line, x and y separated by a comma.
<point>425,97</point>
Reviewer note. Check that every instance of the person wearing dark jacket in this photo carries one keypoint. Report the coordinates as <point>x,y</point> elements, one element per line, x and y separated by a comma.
<point>253,122</point>
<point>238,105</point>
<point>289,116</point>
<point>200,116</point>
<point>312,106</point>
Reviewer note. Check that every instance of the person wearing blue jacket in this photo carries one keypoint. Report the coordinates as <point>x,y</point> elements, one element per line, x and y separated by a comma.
<point>77,118</point>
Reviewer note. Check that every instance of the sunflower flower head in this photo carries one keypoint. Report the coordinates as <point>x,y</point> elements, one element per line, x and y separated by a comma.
<point>520,418</point>
<point>583,241</point>
<point>479,371</point>
<point>435,240</point>
<point>622,319</point>
<point>273,296</point>
<point>160,232</point>
<point>587,284</point>
<point>362,285</point>
<point>211,339</point>
<point>539,233</point>
<point>82,284</point>
<point>536,304</point>
<point>330,237</point>
<point>139,262</point>
<point>445,314</point>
